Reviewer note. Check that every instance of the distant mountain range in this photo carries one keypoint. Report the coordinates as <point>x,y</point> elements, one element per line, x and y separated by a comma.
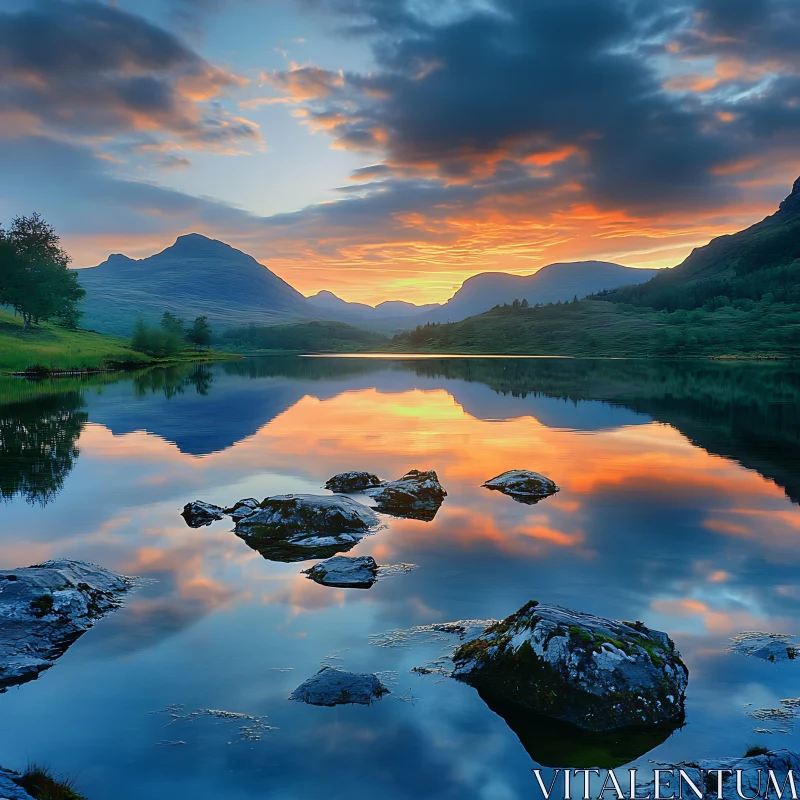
<point>201,276</point>
<point>551,284</point>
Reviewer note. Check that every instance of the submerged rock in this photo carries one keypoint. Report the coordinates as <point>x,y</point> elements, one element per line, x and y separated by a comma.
<point>524,486</point>
<point>417,495</point>
<point>302,527</point>
<point>347,482</point>
<point>345,572</point>
<point>705,777</point>
<point>198,514</point>
<point>45,608</point>
<point>769,646</point>
<point>332,686</point>
<point>595,673</point>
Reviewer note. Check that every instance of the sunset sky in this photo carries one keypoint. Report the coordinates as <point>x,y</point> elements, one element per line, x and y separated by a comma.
<point>389,149</point>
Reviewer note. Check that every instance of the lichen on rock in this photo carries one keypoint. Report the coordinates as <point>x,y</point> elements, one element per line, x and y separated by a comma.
<point>596,673</point>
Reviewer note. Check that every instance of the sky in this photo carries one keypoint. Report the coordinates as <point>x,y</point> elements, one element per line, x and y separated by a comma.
<point>390,149</point>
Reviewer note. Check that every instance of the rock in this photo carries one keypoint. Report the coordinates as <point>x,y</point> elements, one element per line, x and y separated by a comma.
<point>595,673</point>
<point>332,686</point>
<point>45,608</point>
<point>303,527</point>
<point>769,646</point>
<point>244,508</point>
<point>352,482</point>
<point>199,514</point>
<point>345,572</point>
<point>752,785</point>
<point>9,788</point>
<point>417,495</point>
<point>524,486</point>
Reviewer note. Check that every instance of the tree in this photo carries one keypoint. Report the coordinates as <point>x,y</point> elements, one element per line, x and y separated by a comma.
<point>35,279</point>
<point>525,303</point>
<point>173,324</point>
<point>200,332</point>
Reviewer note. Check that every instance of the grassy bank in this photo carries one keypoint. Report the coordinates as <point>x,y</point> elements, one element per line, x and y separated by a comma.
<point>50,348</point>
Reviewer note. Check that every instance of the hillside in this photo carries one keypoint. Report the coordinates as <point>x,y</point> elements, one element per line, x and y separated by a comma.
<point>309,337</point>
<point>195,276</point>
<point>551,284</point>
<point>51,347</point>
<point>760,262</point>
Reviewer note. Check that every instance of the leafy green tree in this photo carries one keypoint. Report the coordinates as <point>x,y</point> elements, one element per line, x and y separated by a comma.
<point>173,324</point>
<point>525,303</point>
<point>158,342</point>
<point>35,279</point>
<point>200,332</point>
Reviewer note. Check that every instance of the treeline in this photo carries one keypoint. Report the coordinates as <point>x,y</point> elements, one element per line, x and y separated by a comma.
<point>35,279</point>
<point>171,336</point>
<point>310,337</point>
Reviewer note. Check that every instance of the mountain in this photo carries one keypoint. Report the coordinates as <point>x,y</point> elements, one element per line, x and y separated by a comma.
<point>551,284</point>
<point>195,276</point>
<point>762,261</point>
<point>344,311</point>
<point>743,292</point>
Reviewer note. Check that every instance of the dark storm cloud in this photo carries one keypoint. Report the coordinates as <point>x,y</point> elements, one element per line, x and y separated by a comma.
<point>92,69</point>
<point>582,81</point>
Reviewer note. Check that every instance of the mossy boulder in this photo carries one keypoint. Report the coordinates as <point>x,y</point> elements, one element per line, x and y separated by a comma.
<point>595,673</point>
<point>417,495</point>
<point>332,686</point>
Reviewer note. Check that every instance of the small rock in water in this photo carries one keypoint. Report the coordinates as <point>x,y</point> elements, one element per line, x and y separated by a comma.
<point>595,673</point>
<point>523,486</point>
<point>332,686</point>
<point>45,608</point>
<point>417,495</point>
<point>9,786</point>
<point>345,572</point>
<point>768,646</point>
<point>347,482</point>
<point>302,527</point>
<point>199,514</point>
<point>244,508</point>
<point>745,776</point>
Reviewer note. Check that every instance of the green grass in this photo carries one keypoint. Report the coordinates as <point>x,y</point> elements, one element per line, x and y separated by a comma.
<point>40,782</point>
<point>50,348</point>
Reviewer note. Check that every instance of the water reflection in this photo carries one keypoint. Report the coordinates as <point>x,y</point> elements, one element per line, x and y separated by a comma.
<point>38,445</point>
<point>657,520</point>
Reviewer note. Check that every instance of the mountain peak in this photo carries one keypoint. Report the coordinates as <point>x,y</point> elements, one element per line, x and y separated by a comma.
<point>197,244</point>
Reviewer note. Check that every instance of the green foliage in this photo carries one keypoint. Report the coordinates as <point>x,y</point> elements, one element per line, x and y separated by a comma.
<point>200,332</point>
<point>593,327</point>
<point>35,279</point>
<point>161,342</point>
<point>174,325</point>
<point>40,783</point>
<point>49,347</point>
<point>756,750</point>
<point>42,605</point>
<point>312,337</point>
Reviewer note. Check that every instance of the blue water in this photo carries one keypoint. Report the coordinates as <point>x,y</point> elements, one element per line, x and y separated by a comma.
<point>676,508</point>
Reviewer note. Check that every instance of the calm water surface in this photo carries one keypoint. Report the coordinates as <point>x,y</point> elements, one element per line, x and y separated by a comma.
<point>679,485</point>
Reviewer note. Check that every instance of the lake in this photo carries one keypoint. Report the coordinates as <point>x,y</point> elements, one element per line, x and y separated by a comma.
<point>678,507</point>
